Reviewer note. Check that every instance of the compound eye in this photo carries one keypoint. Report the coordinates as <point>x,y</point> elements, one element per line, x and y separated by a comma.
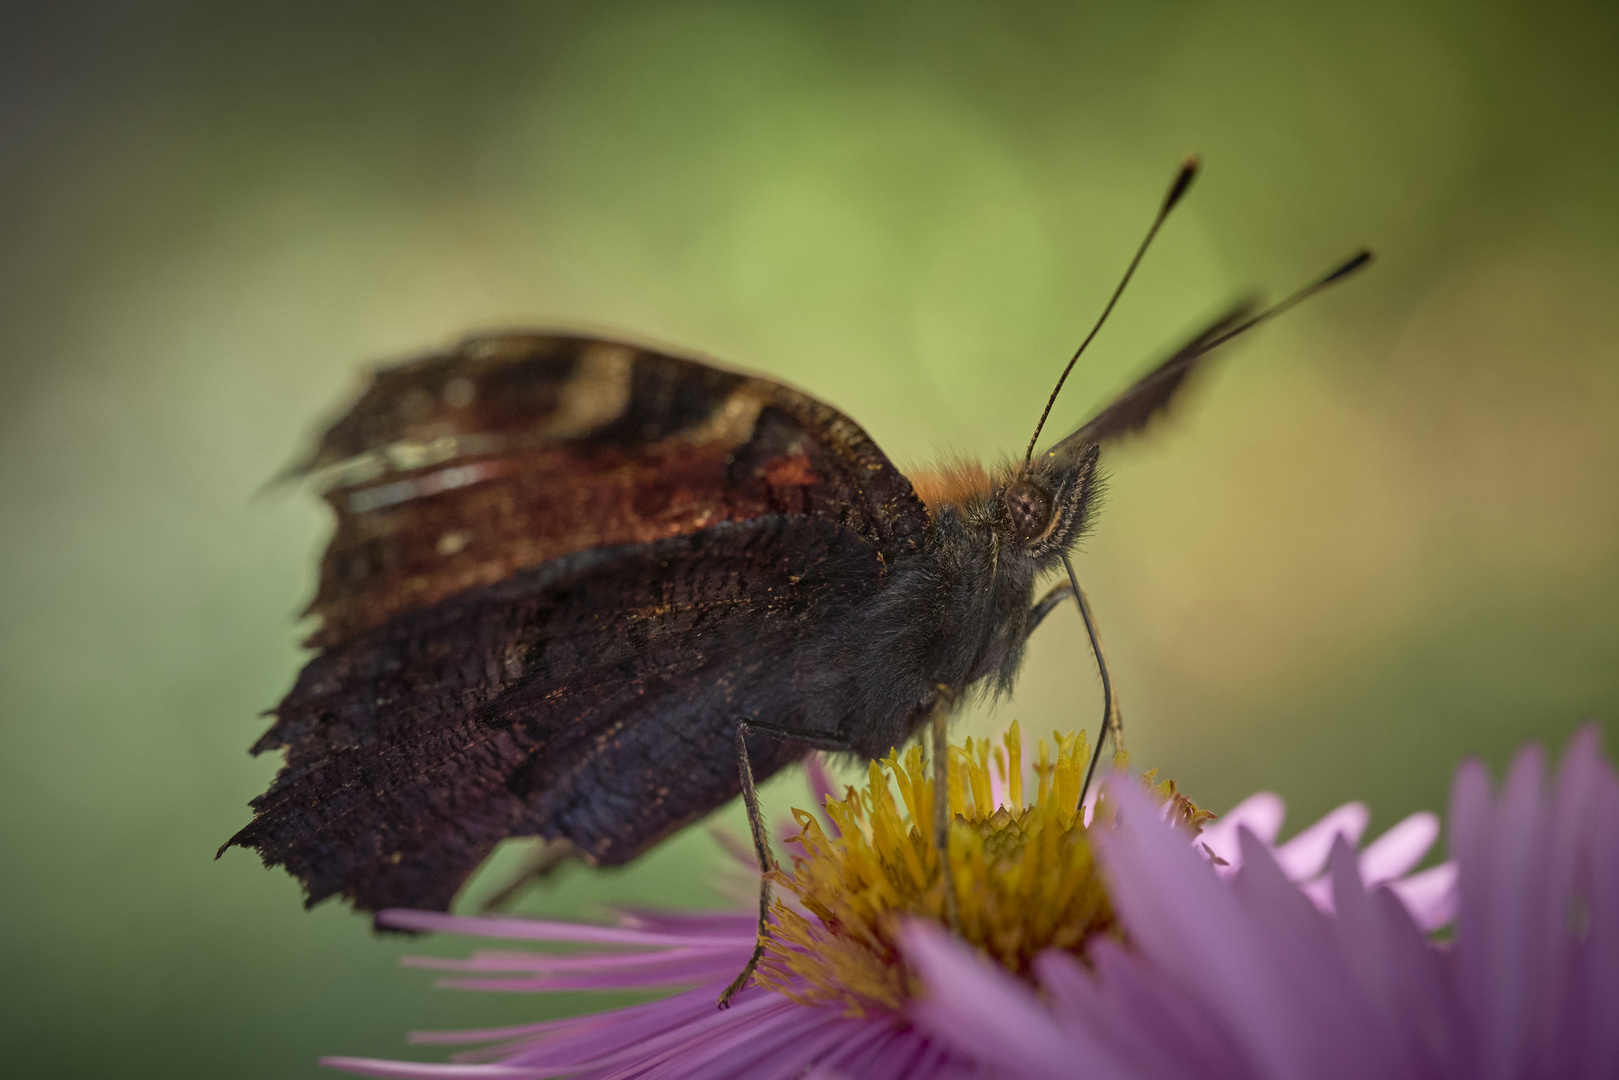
<point>1029,510</point>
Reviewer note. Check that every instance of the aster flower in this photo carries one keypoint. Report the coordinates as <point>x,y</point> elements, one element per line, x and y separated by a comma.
<point>1429,896</point>
<point>835,992</point>
<point>1236,974</point>
<point>762,1034</point>
<point>832,992</point>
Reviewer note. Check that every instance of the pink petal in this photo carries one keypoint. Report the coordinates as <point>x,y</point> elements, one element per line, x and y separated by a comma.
<point>1330,1029</point>
<point>896,1055</point>
<point>1304,856</point>
<point>586,1037</point>
<point>542,963</point>
<point>416,1070</point>
<point>822,787</point>
<point>1153,1023</point>
<point>1430,896</point>
<point>1256,953</point>
<point>618,1043</point>
<point>972,1003</point>
<point>516,1031</point>
<point>683,973</point>
<point>1389,856</point>
<point>813,1046</point>
<point>1217,955</point>
<point>1260,813</point>
<point>877,1051</point>
<point>1399,849</point>
<point>708,923</point>
<point>1495,959</point>
<point>542,930</point>
<point>1594,982</point>
<point>1395,971</point>
<point>1569,828</point>
<point>735,1048</point>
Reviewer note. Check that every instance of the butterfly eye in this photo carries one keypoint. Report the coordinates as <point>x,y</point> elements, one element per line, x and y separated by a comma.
<point>1028,508</point>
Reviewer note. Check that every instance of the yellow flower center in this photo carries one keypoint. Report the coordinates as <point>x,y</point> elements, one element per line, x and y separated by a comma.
<point>1024,875</point>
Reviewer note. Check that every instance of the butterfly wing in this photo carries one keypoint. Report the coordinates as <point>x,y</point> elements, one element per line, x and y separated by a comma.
<point>1151,395</point>
<point>458,469</point>
<point>649,546</point>
<point>592,698</point>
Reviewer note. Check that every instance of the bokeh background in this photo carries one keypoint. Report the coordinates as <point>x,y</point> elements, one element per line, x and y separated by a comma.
<point>1381,536</point>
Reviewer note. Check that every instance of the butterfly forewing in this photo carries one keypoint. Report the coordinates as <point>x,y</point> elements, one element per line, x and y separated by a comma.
<point>457,470</point>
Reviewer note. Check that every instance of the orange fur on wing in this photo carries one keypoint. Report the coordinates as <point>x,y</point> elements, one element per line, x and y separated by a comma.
<point>951,482</point>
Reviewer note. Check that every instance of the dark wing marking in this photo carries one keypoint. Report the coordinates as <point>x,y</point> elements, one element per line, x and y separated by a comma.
<point>456,470</point>
<point>1154,392</point>
<point>593,698</point>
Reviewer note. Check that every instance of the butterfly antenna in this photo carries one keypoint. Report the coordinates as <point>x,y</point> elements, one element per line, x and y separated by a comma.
<point>1349,266</point>
<point>1183,180</point>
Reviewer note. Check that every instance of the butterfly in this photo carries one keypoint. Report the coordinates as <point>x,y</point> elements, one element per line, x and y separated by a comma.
<point>566,568</point>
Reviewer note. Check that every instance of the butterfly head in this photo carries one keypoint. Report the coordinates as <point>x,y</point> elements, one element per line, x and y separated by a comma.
<point>1044,506</point>
<point>1038,509</point>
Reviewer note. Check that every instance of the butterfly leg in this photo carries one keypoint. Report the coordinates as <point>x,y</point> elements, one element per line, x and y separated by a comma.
<point>941,804</point>
<point>1045,605</point>
<point>543,860</point>
<point>761,834</point>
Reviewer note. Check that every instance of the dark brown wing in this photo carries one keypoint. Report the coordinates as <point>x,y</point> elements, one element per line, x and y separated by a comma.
<point>458,469</point>
<point>563,566</point>
<point>593,698</point>
<point>1152,394</point>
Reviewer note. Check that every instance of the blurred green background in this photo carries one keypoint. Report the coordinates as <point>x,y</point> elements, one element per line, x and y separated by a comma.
<point>1382,536</point>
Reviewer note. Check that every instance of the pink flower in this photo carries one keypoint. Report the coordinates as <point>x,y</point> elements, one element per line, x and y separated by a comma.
<point>1237,975</point>
<point>767,1033</point>
<point>1430,896</point>
<point>763,1035</point>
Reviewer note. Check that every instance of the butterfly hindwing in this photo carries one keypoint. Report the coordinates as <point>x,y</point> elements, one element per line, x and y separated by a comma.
<point>593,699</point>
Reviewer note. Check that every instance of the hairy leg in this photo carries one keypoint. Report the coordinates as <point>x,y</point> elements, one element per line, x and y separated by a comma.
<point>542,861</point>
<point>941,805</point>
<point>1047,603</point>
<point>761,834</point>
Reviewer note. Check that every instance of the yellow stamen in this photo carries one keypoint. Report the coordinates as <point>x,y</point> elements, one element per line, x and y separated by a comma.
<point>1024,875</point>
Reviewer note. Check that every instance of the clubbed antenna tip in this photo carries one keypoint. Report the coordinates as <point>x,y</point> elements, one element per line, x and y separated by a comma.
<point>1356,261</point>
<point>1183,180</point>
